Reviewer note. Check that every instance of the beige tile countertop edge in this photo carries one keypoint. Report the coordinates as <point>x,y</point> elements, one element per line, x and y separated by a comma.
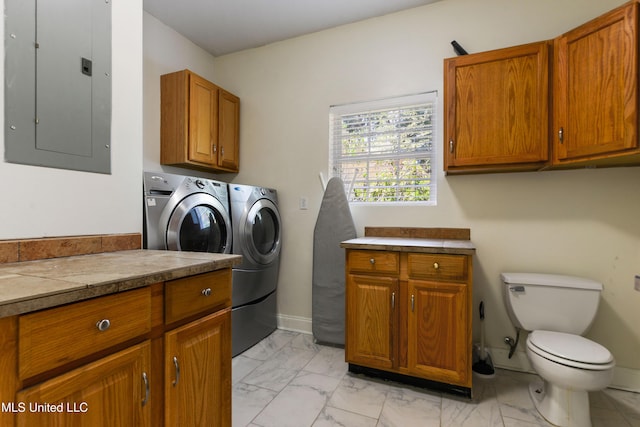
<point>35,285</point>
<point>410,244</point>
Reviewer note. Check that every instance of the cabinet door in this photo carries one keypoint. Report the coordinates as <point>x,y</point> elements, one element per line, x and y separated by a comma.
<point>371,317</point>
<point>228,130</point>
<point>596,86</point>
<point>203,120</point>
<point>439,337</point>
<point>497,109</point>
<point>198,372</point>
<point>112,391</point>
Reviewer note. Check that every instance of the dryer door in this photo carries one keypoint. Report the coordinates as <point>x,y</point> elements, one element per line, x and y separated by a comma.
<point>199,223</point>
<point>260,232</point>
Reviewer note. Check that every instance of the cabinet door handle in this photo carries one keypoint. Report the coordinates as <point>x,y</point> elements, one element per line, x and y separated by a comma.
<point>103,325</point>
<point>222,151</point>
<point>436,265</point>
<point>393,300</point>
<point>206,292</point>
<point>561,135</point>
<point>372,261</point>
<point>451,145</point>
<point>145,379</point>
<point>413,302</point>
<point>177,366</point>
<point>214,147</point>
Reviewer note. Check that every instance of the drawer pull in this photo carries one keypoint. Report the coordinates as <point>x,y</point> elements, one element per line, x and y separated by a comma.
<point>372,261</point>
<point>145,379</point>
<point>413,302</point>
<point>177,366</point>
<point>103,325</point>
<point>206,292</point>
<point>436,265</point>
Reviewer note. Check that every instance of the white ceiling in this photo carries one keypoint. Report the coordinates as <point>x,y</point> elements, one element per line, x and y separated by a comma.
<point>225,26</point>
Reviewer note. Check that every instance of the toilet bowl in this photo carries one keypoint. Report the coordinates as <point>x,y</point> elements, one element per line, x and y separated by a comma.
<point>570,367</point>
<point>557,310</point>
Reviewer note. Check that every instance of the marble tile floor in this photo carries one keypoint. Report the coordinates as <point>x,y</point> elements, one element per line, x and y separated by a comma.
<point>288,380</point>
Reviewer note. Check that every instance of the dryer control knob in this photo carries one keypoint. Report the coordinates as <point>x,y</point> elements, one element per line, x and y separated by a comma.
<point>199,184</point>
<point>263,191</point>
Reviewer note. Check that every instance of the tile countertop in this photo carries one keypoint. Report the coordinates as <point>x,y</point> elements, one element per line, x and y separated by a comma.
<point>411,244</point>
<point>34,285</point>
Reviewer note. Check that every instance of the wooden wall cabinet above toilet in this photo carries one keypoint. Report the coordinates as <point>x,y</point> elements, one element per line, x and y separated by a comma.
<point>565,103</point>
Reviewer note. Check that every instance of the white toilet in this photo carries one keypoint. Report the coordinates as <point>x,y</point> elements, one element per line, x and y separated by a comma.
<point>557,310</point>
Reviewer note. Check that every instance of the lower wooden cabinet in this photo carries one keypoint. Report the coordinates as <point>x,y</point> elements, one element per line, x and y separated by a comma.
<point>198,372</point>
<point>438,339</point>
<point>113,391</point>
<point>411,318</point>
<point>371,317</point>
<point>153,356</point>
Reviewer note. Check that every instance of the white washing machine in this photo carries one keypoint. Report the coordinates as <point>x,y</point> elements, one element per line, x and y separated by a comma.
<point>185,213</point>
<point>257,237</point>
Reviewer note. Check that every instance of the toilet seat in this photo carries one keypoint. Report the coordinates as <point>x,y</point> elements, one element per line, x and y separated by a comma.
<point>570,350</point>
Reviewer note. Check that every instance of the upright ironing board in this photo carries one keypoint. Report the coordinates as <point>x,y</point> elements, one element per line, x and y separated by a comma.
<point>333,226</point>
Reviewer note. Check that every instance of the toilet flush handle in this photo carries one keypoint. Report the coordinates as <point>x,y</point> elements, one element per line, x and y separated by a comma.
<point>516,288</point>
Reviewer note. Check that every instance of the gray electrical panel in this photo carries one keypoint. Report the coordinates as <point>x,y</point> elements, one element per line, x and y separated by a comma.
<point>58,83</point>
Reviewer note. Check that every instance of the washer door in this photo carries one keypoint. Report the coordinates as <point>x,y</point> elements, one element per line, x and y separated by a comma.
<point>199,223</point>
<point>260,232</point>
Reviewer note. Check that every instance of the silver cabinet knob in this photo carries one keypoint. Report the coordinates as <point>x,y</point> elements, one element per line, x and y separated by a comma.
<point>206,292</point>
<point>372,261</point>
<point>103,325</point>
<point>436,265</point>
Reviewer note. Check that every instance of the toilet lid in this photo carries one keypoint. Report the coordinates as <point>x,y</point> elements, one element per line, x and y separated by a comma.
<point>570,347</point>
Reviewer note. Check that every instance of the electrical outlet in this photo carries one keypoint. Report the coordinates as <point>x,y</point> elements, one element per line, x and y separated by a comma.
<point>304,203</point>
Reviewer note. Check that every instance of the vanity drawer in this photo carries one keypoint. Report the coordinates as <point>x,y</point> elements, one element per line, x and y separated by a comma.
<point>197,294</point>
<point>51,338</point>
<point>373,262</point>
<point>437,267</point>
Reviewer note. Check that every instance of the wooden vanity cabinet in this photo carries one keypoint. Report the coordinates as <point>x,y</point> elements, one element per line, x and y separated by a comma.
<point>497,110</point>
<point>409,313</point>
<point>595,91</point>
<point>199,123</point>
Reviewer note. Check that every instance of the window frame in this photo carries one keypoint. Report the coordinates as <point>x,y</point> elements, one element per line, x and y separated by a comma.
<point>415,102</point>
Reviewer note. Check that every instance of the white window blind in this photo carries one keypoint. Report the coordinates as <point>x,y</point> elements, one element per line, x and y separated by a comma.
<point>384,150</point>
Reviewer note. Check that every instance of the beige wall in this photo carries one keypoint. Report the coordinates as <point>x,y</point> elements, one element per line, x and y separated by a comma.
<point>38,201</point>
<point>582,222</point>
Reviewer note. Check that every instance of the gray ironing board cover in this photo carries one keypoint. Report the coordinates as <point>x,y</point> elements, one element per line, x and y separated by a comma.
<point>334,225</point>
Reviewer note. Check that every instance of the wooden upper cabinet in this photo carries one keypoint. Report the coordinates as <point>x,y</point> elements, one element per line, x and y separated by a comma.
<point>203,121</point>
<point>228,130</point>
<point>596,90</point>
<point>497,110</point>
<point>199,123</point>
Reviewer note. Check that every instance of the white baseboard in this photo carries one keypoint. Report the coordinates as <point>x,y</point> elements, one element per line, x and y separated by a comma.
<point>623,378</point>
<point>295,323</point>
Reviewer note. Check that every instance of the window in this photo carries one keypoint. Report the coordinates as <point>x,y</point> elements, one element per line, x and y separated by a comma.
<point>384,150</point>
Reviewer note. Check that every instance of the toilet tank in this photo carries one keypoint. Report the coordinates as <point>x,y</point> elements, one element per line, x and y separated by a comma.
<point>551,302</point>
